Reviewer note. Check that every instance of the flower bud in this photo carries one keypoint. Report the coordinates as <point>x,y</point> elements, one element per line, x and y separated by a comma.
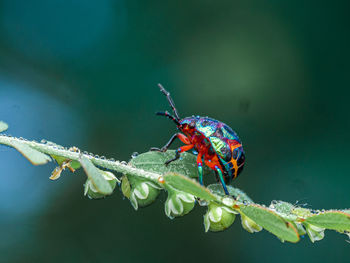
<point>315,233</point>
<point>125,186</point>
<point>140,192</point>
<point>218,217</point>
<point>249,224</point>
<point>178,203</point>
<point>91,191</point>
<point>300,228</point>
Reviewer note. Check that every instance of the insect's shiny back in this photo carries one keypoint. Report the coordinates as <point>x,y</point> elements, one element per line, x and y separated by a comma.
<point>224,141</point>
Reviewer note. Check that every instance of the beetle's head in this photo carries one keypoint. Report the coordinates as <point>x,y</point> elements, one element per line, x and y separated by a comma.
<point>187,125</point>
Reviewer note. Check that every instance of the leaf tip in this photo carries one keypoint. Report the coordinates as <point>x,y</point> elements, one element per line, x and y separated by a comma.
<point>3,126</point>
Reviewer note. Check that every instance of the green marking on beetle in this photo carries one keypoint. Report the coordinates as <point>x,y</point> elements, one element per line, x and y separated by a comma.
<point>205,130</point>
<point>218,145</point>
<point>227,134</point>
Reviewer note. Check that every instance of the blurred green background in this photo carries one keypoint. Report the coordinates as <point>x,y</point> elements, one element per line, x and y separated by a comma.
<point>84,73</point>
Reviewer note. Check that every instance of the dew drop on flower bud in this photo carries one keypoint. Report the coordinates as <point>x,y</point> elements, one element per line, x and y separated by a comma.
<point>134,154</point>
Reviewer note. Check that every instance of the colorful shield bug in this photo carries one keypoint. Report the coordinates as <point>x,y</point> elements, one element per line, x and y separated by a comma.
<point>215,142</point>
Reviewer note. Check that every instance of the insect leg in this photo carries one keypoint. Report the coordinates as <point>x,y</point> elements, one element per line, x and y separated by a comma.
<point>222,180</point>
<point>217,176</point>
<point>178,151</point>
<point>170,100</point>
<point>182,138</point>
<point>200,168</point>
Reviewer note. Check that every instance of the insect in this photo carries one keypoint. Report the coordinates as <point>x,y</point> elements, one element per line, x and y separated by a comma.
<point>215,142</point>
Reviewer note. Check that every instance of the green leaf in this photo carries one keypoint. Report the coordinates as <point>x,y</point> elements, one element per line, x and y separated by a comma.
<point>96,177</point>
<point>188,185</point>
<point>34,156</point>
<point>237,193</point>
<point>271,222</point>
<point>3,126</point>
<point>335,220</point>
<point>153,161</point>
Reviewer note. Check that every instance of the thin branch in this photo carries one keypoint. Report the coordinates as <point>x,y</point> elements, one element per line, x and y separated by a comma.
<point>73,153</point>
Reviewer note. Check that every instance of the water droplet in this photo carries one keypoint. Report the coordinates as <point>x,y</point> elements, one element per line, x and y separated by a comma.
<point>161,179</point>
<point>112,159</point>
<point>43,141</point>
<point>134,154</point>
<point>124,162</point>
<point>85,152</point>
<point>202,202</point>
<point>103,157</point>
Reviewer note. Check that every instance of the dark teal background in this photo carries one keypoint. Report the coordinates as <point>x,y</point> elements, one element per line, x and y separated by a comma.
<point>84,73</point>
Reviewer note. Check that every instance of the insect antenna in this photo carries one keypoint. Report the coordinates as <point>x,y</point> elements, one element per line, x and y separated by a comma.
<point>170,100</point>
<point>171,117</point>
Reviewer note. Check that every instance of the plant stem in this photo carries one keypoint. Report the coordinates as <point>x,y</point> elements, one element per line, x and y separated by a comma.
<point>74,153</point>
<point>282,219</point>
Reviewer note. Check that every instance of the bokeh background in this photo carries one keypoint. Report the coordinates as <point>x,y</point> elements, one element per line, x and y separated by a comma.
<point>84,73</point>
